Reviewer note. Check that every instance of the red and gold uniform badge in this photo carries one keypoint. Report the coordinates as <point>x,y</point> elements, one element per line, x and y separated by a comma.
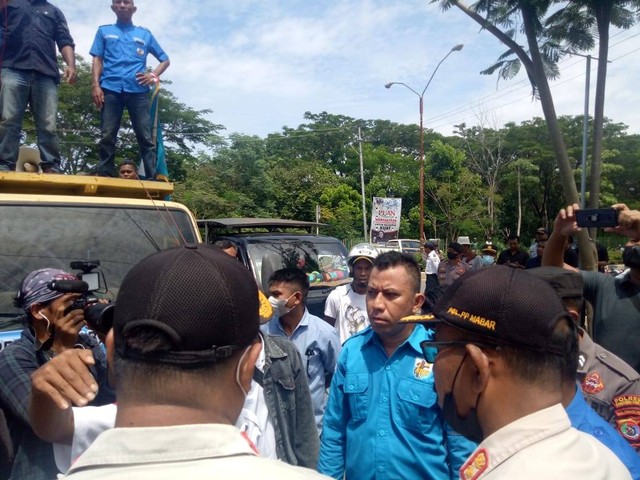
<point>592,383</point>
<point>476,464</point>
<point>627,411</point>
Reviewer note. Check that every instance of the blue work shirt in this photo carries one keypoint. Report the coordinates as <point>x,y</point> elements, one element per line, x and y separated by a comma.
<point>383,420</point>
<point>319,346</point>
<point>123,49</point>
<point>585,419</point>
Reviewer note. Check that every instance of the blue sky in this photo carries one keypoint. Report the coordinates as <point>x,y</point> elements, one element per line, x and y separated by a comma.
<point>259,65</point>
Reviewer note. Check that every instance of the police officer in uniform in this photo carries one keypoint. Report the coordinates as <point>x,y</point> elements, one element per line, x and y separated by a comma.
<point>610,385</point>
<point>453,267</point>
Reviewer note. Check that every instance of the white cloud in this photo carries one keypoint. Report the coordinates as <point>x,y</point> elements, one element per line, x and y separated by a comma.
<point>260,65</point>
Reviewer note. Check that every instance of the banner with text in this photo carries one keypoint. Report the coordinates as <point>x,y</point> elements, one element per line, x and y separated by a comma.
<point>385,220</point>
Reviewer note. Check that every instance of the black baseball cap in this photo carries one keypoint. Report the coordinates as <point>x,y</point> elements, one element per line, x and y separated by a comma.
<point>566,283</point>
<point>502,305</point>
<point>202,299</point>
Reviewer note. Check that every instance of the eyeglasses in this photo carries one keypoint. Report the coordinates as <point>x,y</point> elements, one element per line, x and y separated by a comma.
<point>431,349</point>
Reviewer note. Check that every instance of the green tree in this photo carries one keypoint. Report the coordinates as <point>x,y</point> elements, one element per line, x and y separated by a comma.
<point>576,19</point>
<point>505,19</point>
<point>454,192</point>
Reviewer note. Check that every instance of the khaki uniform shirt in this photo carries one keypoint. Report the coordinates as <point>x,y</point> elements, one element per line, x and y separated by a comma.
<point>185,452</point>
<point>543,445</point>
<point>449,272</point>
<point>611,387</point>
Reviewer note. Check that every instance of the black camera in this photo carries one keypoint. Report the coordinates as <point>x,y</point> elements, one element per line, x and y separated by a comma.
<point>98,315</point>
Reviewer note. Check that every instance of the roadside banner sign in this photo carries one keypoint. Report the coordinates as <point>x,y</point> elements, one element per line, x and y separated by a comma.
<point>385,220</point>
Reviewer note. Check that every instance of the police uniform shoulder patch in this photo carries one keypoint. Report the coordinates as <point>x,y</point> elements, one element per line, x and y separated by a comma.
<point>592,383</point>
<point>627,412</point>
<point>475,466</point>
<point>421,369</point>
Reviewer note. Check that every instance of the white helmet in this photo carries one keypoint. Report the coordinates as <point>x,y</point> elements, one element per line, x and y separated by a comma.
<point>362,250</point>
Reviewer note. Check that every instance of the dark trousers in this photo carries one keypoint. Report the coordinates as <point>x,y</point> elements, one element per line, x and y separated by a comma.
<point>432,292</point>
<point>137,105</point>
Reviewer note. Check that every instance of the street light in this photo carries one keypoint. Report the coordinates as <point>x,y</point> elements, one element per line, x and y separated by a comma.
<point>421,97</point>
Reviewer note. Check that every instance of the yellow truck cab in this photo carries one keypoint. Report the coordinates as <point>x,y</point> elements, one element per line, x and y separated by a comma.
<point>53,220</point>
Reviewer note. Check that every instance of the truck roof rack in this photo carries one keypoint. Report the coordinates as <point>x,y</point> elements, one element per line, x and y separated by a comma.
<point>243,223</point>
<point>54,184</point>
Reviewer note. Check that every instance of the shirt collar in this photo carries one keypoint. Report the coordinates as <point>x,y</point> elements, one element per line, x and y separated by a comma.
<point>121,446</point>
<point>523,432</point>
<point>418,335</point>
<point>304,322</point>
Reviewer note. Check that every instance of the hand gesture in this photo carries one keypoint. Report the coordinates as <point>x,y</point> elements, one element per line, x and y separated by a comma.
<point>628,222</point>
<point>66,380</point>
<point>565,221</point>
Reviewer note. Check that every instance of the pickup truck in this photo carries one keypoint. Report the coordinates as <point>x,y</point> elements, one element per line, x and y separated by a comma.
<point>52,220</point>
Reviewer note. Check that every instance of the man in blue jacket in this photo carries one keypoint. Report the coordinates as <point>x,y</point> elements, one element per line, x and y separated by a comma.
<point>120,79</point>
<point>382,420</point>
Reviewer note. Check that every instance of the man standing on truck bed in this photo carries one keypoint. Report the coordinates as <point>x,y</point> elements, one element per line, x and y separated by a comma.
<point>120,80</point>
<point>29,33</point>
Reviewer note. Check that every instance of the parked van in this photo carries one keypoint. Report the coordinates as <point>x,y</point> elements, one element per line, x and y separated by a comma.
<point>405,245</point>
<point>269,244</point>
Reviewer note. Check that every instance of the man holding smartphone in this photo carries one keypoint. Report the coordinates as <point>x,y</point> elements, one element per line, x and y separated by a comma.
<point>615,300</point>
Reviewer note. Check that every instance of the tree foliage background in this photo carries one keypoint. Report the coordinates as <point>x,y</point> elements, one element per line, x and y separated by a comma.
<point>477,180</point>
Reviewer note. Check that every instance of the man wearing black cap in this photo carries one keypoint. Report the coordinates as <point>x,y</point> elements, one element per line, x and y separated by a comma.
<point>453,267</point>
<point>277,418</point>
<point>53,327</point>
<point>183,353</point>
<point>541,236</point>
<point>503,343</point>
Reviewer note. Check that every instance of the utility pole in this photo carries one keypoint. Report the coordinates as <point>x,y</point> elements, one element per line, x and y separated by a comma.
<point>364,203</point>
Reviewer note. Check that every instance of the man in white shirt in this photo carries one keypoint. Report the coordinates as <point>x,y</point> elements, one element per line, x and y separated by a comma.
<point>346,307</point>
<point>432,286</point>
<point>503,344</point>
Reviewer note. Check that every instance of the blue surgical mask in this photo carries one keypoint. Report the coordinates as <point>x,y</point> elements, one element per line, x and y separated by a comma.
<point>488,259</point>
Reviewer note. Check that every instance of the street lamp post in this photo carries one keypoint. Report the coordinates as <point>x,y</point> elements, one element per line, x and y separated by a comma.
<point>421,105</point>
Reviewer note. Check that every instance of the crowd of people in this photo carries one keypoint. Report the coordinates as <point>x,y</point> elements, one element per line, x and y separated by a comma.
<point>498,379</point>
<point>32,30</point>
<point>493,371</point>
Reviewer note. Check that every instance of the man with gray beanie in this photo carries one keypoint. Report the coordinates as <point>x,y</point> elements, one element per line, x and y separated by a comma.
<point>52,327</point>
<point>183,351</point>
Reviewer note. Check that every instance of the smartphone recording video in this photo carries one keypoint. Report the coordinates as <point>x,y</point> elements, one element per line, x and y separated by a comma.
<point>597,217</point>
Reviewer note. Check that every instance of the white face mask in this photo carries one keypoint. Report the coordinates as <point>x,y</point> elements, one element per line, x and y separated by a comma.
<point>280,305</point>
